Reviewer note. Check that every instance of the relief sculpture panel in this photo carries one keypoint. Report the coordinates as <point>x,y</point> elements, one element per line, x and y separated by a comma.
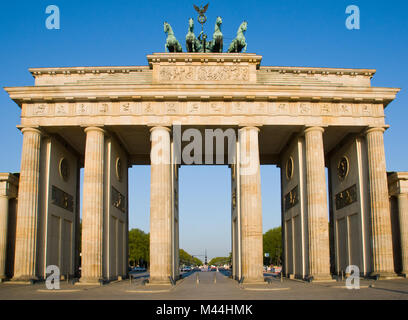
<point>204,73</point>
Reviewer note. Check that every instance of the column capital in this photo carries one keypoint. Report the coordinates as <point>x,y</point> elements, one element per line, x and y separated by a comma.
<point>159,127</point>
<point>31,129</point>
<point>313,128</point>
<point>249,127</point>
<point>94,128</point>
<point>374,129</point>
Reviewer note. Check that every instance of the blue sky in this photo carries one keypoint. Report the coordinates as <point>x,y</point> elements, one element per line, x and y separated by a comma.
<point>285,33</point>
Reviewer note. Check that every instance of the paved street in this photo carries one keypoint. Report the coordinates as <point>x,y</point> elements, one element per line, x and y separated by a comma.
<point>208,287</point>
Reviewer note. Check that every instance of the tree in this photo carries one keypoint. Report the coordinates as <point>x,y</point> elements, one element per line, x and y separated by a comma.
<point>187,259</point>
<point>220,261</point>
<point>272,244</point>
<point>139,247</point>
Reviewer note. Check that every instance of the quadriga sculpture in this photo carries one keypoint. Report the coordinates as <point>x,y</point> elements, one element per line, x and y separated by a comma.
<point>216,44</point>
<point>239,43</point>
<point>172,45</point>
<point>192,43</point>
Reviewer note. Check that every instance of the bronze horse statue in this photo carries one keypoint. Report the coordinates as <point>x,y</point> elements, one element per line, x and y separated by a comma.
<point>216,44</point>
<point>239,42</point>
<point>172,45</point>
<point>192,43</point>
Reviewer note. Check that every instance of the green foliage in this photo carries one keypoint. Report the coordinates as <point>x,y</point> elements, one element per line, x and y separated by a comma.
<point>139,246</point>
<point>220,261</point>
<point>187,259</point>
<point>272,244</point>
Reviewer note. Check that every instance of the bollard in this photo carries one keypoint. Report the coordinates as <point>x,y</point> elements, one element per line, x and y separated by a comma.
<point>197,279</point>
<point>281,276</point>
<point>215,277</point>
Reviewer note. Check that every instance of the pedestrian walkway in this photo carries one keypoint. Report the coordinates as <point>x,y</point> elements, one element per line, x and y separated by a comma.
<point>211,286</point>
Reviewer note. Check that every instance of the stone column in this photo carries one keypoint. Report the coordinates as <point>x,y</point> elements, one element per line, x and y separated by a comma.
<point>317,211</point>
<point>4,210</point>
<point>93,206</point>
<point>160,206</point>
<point>251,206</point>
<point>383,264</point>
<point>403,223</point>
<point>27,212</point>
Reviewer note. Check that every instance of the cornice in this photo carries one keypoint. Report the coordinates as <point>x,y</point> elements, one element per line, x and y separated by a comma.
<point>324,71</point>
<point>187,57</point>
<point>168,92</point>
<point>86,70</point>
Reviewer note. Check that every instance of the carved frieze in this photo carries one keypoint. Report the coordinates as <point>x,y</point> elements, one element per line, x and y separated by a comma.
<point>171,107</point>
<point>82,108</point>
<point>103,107</point>
<point>193,107</point>
<point>61,109</point>
<point>204,73</point>
<point>346,197</point>
<point>305,108</point>
<point>41,109</point>
<point>292,198</point>
<point>62,199</point>
<point>202,107</point>
<point>118,200</point>
<point>125,107</point>
<point>147,107</point>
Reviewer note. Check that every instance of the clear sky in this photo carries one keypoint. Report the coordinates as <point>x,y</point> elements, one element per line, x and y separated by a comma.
<point>284,32</point>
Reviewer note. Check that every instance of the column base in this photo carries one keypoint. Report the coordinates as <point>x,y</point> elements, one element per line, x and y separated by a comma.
<point>383,275</point>
<point>321,278</point>
<point>90,282</point>
<point>24,279</point>
<point>158,282</point>
<point>254,281</point>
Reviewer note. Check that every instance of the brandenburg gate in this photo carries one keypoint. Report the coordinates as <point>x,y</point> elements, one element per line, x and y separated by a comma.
<point>106,119</point>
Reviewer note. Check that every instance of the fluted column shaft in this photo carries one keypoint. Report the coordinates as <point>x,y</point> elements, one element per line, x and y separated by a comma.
<point>93,206</point>
<point>160,206</point>
<point>381,237</point>
<point>403,222</point>
<point>27,213</point>
<point>318,228</point>
<point>251,205</point>
<point>4,208</point>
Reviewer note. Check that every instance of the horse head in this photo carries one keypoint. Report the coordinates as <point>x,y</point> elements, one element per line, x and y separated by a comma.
<point>191,24</point>
<point>218,22</point>
<point>243,26</point>
<point>166,27</point>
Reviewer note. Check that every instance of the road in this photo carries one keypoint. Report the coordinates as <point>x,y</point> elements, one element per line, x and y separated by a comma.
<point>211,285</point>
